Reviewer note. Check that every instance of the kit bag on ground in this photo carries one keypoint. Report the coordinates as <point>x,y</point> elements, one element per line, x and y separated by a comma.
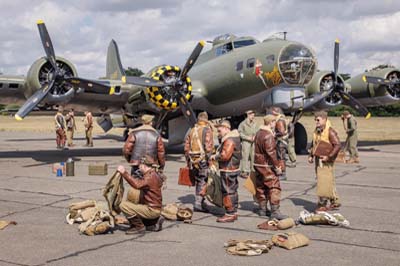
<point>248,247</point>
<point>290,240</point>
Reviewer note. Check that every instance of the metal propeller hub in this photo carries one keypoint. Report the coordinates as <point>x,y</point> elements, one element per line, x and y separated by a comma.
<point>48,73</point>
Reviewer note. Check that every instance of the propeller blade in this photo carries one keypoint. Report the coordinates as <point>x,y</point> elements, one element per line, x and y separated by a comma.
<point>34,100</point>
<point>379,81</point>
<point>192,59</point>
<point>336,60</point>
<point>47,45</point>
<point>142,81</point>
<point>308,103</point>
<point>187,110</point>
<point>355,104</point>
<point>91,86</point>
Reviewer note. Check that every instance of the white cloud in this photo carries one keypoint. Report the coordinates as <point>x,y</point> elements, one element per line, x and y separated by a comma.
<point>155,32</point>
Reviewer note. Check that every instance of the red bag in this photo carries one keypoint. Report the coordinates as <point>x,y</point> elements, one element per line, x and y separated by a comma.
<point>185,177</point>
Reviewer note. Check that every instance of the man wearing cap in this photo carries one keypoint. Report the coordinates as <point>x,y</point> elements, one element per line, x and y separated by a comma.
<point>350,125</point>
<point>144,199</point>
<point>199,145</point>
<point>59,122</point>
<point>247,130</point>
<point>228,156</point>
<point>268,168</point>
<point>281,135</point>
<point>88,123</point>
<point>324,149</point>
<point>142,141</point>
<point>71,127</point>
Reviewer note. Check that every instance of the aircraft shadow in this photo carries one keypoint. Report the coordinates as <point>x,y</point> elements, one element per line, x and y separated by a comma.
<point>55,156</point>
<point>110,136</point>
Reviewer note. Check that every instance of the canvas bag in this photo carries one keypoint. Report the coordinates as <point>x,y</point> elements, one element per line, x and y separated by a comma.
<point>290,240</point>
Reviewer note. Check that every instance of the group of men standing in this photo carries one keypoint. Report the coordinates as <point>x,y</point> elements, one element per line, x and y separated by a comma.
<point>65,127</point>
<point>250,149</point>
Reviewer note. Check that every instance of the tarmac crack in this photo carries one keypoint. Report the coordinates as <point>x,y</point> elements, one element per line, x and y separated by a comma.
<point>15,263</point>
<point>134,239</point>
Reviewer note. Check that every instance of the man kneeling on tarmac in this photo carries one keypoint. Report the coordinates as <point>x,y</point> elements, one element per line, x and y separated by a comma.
<point>143,205</point>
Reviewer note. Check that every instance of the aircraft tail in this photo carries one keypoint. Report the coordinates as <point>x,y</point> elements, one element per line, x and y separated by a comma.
<point>114,69</point>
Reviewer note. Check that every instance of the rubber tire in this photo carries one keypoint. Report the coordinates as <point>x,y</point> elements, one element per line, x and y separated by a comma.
<point>300,139</point>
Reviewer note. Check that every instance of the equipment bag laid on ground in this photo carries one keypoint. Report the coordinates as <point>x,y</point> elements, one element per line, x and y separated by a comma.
<point>248,247</point>
<point>290,240</point>
<point>94,217</point>
<point>101,222</point>
<point>323,218</point>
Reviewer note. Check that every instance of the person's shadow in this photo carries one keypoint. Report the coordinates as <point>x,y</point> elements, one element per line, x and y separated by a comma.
<point>190,199</point>
<point>307,205</point>
<point>249,206</point>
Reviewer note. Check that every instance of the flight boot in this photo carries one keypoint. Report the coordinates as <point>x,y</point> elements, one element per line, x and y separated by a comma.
<point>200,205</point>
<point>228,218</point>
<point>137,226</point>
<point>276,213</point>
<point>353,160</point>
<point>263,210</point>
<point>157,226</point>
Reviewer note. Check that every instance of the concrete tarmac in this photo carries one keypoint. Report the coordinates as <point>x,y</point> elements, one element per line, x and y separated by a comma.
<point>37,200</point>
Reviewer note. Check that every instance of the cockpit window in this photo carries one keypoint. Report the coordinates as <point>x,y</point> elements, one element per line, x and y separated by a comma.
<point>242,43</point>
<point>297,64</point>
<point>223,49</point>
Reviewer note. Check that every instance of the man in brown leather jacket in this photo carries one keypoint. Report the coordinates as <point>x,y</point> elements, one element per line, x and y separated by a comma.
<point>324,161</point>
<point>228,156</point>
<point>144,200</point>
<point>267,166</point>
<point>199,146</point>
<point>142,141</point>
<point>281,135</point>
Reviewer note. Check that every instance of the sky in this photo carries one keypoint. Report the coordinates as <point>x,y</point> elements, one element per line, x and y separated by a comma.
<point>151,33</point>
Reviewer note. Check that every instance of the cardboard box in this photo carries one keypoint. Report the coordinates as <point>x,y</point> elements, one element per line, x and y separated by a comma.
<point>98,169</point>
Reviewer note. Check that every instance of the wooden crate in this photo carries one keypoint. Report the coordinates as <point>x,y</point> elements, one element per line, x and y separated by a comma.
<point>98,169</point>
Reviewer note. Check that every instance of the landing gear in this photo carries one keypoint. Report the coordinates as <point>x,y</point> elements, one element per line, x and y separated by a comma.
<point>236,120</point>
<point>300,139</point>
<point>126,134</point>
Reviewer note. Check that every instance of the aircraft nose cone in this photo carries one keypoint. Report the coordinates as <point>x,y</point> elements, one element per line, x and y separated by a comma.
<point>297,64</point>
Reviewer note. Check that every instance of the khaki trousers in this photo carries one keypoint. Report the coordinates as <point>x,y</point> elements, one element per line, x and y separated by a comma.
<point>291,150</point>
<point>246,164</point>
<point>70,136</point>
<point>326,183</point>
<point>89,138</point>
<point>132,208</point>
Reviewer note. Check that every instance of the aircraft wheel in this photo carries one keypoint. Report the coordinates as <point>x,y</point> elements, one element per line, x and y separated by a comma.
<point>300,139</point>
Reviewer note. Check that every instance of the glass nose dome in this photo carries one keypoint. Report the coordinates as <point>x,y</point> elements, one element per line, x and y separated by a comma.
<point>297,64</point>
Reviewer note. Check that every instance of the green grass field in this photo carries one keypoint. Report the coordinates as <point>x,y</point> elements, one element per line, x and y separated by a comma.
<point>374,129</point>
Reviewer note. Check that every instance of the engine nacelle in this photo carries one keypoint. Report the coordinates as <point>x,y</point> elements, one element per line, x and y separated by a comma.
<point>373,94</point>
<point>322,81</point>
<point>287,98</point>
<point>40,73</point>
<point>167,97</point>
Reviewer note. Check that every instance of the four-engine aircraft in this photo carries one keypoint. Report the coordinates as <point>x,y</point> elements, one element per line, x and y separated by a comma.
<point>235,75</point>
